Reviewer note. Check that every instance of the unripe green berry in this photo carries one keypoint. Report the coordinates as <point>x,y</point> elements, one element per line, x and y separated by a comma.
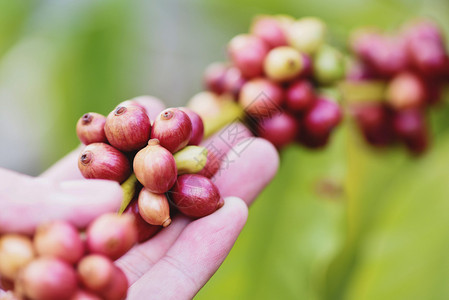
<point>283,63</point>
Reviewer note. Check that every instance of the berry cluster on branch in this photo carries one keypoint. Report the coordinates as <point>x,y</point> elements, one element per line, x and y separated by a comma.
<point>413,66</point>
<point>274,75</point>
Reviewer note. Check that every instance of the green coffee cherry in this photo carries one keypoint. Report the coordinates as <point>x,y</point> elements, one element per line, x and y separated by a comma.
<point>283,63</point>
<point>328,65</point>
<point>191,159</point>
<point>307,34</point>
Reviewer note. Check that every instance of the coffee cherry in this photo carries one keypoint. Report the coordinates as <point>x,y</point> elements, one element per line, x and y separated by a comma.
<point>406,91</point>
<point>195,196</point>
<point>409,123</point>
<point>155,167</point>
<point>59,239</point>
<point>95,272</point>
<point>270,30</point>
<point>128,128</point>
<point>410,126</point>
<point>376,123</point>
<point>261,97</point>
<point>359,71</point>
<point>391,57</point>
<point>90,128</point>
<point>280,130</point>
<point>322,117</point>
<point>47,278</point>
<point>283,64</point>
<point>307,34</point>
<point>233,81</point>
<point>386,56</point>
<point>428,56</point>
<point>197,126</point>
<point>173,129</point>
<point>102,161</point>
<point>16,251</point>
<point>111,235</point>
<point>154,208</point>
<point>214,77</point>
<point>247,53</point>
<point>328,65</point>
<point>118,286</point>
<point>365,43</point>
<point>299,96</point>
<point>145,231</point>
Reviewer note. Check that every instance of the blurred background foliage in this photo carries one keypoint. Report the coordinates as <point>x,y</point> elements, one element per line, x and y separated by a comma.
<point>347,222</point>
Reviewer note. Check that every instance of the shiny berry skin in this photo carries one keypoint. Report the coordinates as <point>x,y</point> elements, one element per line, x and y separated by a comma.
<point>102,161</point>
<point>173,129</point>
<point>128,128</point>
<point>155,167</point>
<point>195,196</point>
<point>90,128</point>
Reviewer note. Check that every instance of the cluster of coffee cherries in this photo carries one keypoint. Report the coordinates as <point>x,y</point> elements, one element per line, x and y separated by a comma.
<point>413,65</point>
<point>164,156</point>
<point>59,262</point>
<point>274,74</point>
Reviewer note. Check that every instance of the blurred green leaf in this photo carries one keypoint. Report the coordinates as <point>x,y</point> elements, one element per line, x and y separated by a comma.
<point>292,232</point>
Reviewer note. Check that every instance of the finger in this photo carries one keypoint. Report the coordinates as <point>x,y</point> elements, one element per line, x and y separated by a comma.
<point>27,202</point>
<point>195,256</point>
<point>67,167</point>
<point>223,141</point>
<point>247,169</point>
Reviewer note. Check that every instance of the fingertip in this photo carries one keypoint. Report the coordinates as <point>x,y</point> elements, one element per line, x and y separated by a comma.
<point>237,209</point>
<point>247,169</point>
<point>95,191</point>
<point>271,154</point>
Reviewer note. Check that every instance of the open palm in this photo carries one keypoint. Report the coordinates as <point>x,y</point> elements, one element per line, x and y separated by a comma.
<point>180,259</point>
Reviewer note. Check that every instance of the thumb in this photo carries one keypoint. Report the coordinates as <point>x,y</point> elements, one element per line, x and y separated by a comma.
<point>26,202</point>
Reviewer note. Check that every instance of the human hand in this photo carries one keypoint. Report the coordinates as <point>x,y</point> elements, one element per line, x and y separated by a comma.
<point>180,259</point>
